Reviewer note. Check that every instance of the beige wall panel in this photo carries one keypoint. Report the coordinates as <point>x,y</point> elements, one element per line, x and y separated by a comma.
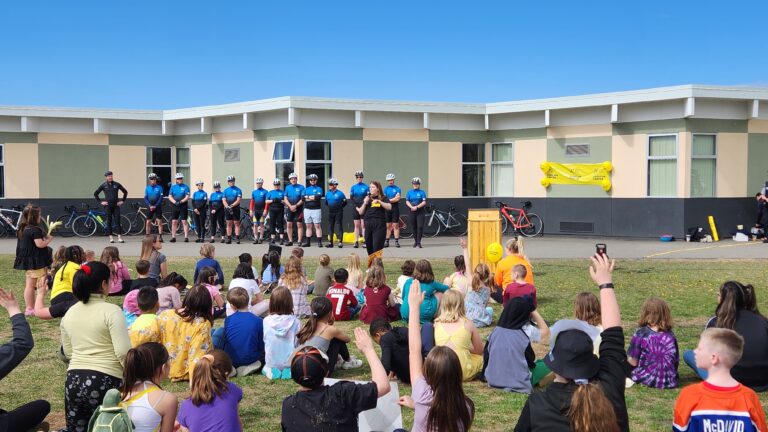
<point>529,154</point>
<point>370,134</point>
<point>201,167</point>
<point>299,156</point>
<point>684,165</point>
<point>579,131</point>
<point>127,163</point>
<point>630,168</point>
<point>87,139</point>
<point>757,126</point>
<point>232,137</point>
<point>347,158</point>
<point>22,171</point>
<point>731,162</point>
<point>444,169</point>
<point>262,161</point>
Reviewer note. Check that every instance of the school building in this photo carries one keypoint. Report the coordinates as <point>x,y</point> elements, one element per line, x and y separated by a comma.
<point>678,153</point>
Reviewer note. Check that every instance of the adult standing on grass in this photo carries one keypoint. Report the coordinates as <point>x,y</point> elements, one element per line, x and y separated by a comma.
<point>153,199</point>
<point>294,202</point>
<point>178,196</point>
<point>32,253</point>
<point>200,210</point>
<point>515,256</point>
<point>393,193</point>
<point>336,201</point>
<point>416,200</point>
<point>112,204</point>
<point>374,208</point>
<point>313,195</point>
<point>94,338</point>
<point>357,194</point>
<point>12,353</point>
<point>232,197</point>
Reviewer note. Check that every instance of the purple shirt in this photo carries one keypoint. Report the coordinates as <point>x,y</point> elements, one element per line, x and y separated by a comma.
<point>218,415</point>
<point>657,358</point>
<point>422,396</point>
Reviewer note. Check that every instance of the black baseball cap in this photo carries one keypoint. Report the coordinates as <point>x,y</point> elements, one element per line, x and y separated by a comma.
<point>309,366</point>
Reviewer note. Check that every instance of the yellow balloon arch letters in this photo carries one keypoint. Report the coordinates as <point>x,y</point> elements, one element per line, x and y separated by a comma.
<point>577,174</point>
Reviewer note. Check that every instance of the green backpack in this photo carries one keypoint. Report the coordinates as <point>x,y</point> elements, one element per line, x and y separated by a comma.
<point>110,416</point>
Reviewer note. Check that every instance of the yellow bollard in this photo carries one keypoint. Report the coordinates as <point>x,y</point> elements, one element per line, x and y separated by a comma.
<point>713,228</point>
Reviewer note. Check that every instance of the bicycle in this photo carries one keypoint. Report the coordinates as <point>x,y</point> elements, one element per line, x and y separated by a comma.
<point>85,225</point>
<point>528,224</point>
<point>440,220</point>
<point>138,219</point>
<point>405,228</point>
<point>9,220</point>
<point>67,220</point>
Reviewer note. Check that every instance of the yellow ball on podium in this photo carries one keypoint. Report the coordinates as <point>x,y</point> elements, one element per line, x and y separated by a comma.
<point>493,252</point>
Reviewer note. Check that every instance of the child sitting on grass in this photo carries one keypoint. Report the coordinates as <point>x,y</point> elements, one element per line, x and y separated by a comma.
<point>454,330</point>
<point>586,307</point>
<point>720,402</point>
<point>62,297</point>
<point>323,276</point>
<point>145,328</point>
<point>407,272</point>
<point>320,333</point>
<point>149,406</point>
<point>186,332</point>
<point>476,300</point>
<point>142,269</point>
<point>169,296</point>
<point>280,328</point>
<point>207,254</point>
<point>242,336</point>
<point>119,272</point>
<point>207,278</point>
<point>343,300</point>
<point>377,295</point>
<point>394,348</point>
<point>519,287</point>
<point>653,350</point>
<point>213,402</point>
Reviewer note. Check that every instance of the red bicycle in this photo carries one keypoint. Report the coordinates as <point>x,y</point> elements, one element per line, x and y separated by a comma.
<point>527,224</point>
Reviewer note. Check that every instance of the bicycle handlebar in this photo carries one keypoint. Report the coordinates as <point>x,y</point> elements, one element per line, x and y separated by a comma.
<point>500,204</point>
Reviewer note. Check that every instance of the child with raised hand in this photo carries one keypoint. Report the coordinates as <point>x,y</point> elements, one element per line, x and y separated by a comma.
<point>653,351</point>
<point>213,402</point>
<point>145,328</point>
<point>318,407</point>
<point>62,297</point>
<point>149,406</point>
<point>437,393</point>
<point>377,298</point>
<point>320,333</point>
<point>280,328</point>
<point>720,402</point>
<point>208,259</point>
<point>119,271</point>
<point>394,348</point>
<point>588,392</point>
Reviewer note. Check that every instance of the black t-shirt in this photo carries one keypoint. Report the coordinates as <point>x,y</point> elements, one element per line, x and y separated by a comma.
<point>329,408</point>
<point>547,410</point>
<point>28,255</point>
<point>394,353</point>
<point>373,211</point>
<point>751,369</point>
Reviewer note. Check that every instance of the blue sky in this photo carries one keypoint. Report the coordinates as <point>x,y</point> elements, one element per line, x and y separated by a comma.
<point>169,54</point>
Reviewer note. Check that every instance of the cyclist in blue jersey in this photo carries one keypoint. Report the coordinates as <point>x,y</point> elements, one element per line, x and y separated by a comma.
<point>153,198</point>
<point>275,210</point>
<point>200,210</point>
<point>393,194</point>
<point>313,195</point>
<point>178,196</point>
<point>294,202</point>
<point>217,212</point>
<point>258,198</point>
<point>357,194</point>
<point>416,200</point>
<point>232,197</point>
<point>336,201</point>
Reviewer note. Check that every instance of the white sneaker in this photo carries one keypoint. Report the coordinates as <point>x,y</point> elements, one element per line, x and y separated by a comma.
<point>353,363</point>
<point>248,369</point>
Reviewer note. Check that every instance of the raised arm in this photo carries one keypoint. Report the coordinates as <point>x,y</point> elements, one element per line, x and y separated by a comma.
<point>378,374</point>
<point>415,298</point>
<point>601,272</point>
<point>13,352</point>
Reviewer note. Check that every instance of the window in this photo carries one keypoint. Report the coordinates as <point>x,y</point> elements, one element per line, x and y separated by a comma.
<point>473,170</point>
<point>2,170</point>
<point>319,161</point>
<point>662,165</point>
<point>159,162</point>
<point>577,150</point>
<point>501,169</point>
<point>182,163</point>
<point>703,165</point>
<point>283,158</point>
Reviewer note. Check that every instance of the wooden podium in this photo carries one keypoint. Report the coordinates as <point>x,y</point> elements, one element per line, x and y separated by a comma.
<point>484,229</point>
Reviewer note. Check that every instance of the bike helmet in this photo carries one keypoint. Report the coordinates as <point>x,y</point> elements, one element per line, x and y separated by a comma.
<point>416,180</point>
<point>333,181</point>
<point>259,180</point>
<point>276,181</point>
<point>152,176</point>
<point>390,176</point>
<point>293,176</point>
<point>199,182</point>
<point>179,176</point>
<point>312,177</point>
<point>359,174</point>
<point>216,184</point>
<point>230,178</point>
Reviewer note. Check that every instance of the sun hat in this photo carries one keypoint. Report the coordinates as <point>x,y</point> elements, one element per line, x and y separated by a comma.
<point>572,355</point>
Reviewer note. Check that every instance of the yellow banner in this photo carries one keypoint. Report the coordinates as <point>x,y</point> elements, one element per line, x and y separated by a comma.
<point>577,174</point>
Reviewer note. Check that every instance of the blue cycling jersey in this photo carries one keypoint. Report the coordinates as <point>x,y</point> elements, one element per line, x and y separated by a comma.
<point>276,196</point>
<point>313,191</point>
<point>392,191</point>
<point>153,195</point>
<point>232,193</point>
<point>216,198</point>
<point>358,192</point>
<point>335,199</point>
<point>259,196</point>
<point>294,193</point>
<point>200,195</point>
<point>179,191</point>
<point>416,196</point>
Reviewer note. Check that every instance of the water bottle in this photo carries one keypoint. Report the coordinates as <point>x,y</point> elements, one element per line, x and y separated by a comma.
<point>100,219</point>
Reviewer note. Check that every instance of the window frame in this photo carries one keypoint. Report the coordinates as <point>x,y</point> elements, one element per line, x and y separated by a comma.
<point>279,162</point>
<point>177,165</point>
<point>494,164</point>
<point>174,166</point>
<point>481,164</point>
<point>2,170</point>
<point>713,157</point>
<point>329,161</point>
<point>649,158</point>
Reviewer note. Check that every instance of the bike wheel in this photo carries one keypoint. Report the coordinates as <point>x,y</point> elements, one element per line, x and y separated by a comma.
<point>84,226</point>
<point>405,228</point>
<point>457,224</point>
<point>5,229</point>
<point>125,225</point>
<point>533,227</point>
<point>246,227</point>
<point>504,225</point>
<point>65,229</point>
<point>432,226</point>
<point>137,223</point>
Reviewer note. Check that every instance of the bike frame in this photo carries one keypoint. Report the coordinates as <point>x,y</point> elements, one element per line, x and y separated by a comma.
<point>521,215</point>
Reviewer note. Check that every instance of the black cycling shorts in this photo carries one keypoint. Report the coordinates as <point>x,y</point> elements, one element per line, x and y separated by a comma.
<point>355,214</point>
<point>257,216</point>
<point>394,214</point>
<point>155,214</point>
<point>297,216</point>
<point>233,214</point>
<point>179,212</point>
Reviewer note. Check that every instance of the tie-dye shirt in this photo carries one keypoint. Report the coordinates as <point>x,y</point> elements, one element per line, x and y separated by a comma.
<point>657,358</point>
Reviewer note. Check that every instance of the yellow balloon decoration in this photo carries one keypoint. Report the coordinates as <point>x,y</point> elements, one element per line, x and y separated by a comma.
<point>493,252</point>
<point>546,182</point>
<point>545,166</point>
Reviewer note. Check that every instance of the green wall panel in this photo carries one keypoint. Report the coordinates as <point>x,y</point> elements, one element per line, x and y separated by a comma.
<point>757,167</point>
<point>188,140</point>
<point>716,125</point>
<point>458,136</point>
<point>645,127</point>
<point>323,133</point>
<point>71,171</point>
<point>599,151</point>
<point>515,134</point>
<point>242,169</point>
<point>141,140</point>
<point>276,134</point>
<point>406,159</point>
<point>17,137</point>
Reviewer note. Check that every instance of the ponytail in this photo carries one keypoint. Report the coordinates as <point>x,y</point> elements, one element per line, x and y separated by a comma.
<point>480,276</point>
<point>208,377</point>
<point>89,279</point>
<point>591,411</point>
<point>321,307</point>
<point>142,364</point>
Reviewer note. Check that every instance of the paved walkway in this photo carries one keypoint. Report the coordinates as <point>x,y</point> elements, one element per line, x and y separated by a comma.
<point>447,247</point>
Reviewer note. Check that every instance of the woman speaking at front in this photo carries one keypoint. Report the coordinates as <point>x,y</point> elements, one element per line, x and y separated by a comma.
<point>374,208</point>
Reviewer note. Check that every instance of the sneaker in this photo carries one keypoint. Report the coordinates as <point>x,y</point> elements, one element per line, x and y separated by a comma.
<point>415,245</point>
<point>329,245</point>
<point>386,243</point>
<point>289,243</point>
<point>255,242</point>
<point>628,383</point>
<point>272,373</point>
<point>186,239</point>
<point>173,239</point>
<point>111,240</point>
<point>198,241</point>
<point>272,242</point>
<point>420,246</point>
<point>353,363</point>
<point>222,240</point>
<point>286,374</point>
<point>306,243</point>
<point>340,245</point>
<point>237,241</point>
<point>357,245</point>
<point>248,369</point>
<point>397,243</point>
<point>120,240</point>
<point>229,240</point>
<point>213,240</point>
<point>233,373</point>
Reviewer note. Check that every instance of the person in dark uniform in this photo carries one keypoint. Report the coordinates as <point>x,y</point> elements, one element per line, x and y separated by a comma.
<point>232,197</point>
<point>313,195</point>
<point>374,208</point>
<point>393,193</point>
<point>416,200</point>
<point>200,210</point>
<point>258,198</point>
<point>294,202</point>
<point>178,196</point>
<point>336,201</point>
<point>357,194</point>
<point>112,204</point>
<point>217,212</point>
<point>275,209</point>
<point>153,199</point>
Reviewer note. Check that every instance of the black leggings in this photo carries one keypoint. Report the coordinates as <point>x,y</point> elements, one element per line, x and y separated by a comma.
<point>334,219</point>
<point>217,219</point>
<point>26,416</point>
<point>335,349</point>
<point>417,222</point>
<point>276,221</point>
<point>200,221</point>
<point>375,232</point>
<point>113,213</point>
<point>84,391</point>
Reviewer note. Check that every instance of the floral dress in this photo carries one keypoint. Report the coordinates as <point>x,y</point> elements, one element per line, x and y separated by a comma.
<point>476,305</point>
<point>186,342</point>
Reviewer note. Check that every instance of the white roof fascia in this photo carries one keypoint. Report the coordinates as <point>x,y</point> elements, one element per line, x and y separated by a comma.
<point>227,109</point>
<point>20,111</point>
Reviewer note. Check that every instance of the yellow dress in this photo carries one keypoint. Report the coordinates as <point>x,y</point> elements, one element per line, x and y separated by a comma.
<point>144,329</point>
<point>186,342</point>
<point>461,342</point>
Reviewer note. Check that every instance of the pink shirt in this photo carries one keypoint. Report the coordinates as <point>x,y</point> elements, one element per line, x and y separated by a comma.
<point>169,298</point>
<point>121,274</point>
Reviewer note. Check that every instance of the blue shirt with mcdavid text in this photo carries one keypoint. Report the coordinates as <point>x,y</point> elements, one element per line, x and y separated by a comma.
<point>179,191</point>
<point>358,192</point>
<point>416,196</point>
<point>294,193</point>
<point>259,196</point>
<point>232,193</point>
<point>313,191</point>
<point>335,199</point>
<point>153,195</point>
<point>392,191</point>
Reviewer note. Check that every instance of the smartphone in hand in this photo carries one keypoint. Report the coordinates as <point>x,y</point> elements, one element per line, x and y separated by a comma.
<point>601,249</point>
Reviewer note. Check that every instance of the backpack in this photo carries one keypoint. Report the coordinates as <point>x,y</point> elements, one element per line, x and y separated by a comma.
<point>696,233</point>
<point>110,416</point>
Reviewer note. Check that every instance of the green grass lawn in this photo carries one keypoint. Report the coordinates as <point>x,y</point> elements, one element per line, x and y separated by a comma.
<point>688,286</point>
